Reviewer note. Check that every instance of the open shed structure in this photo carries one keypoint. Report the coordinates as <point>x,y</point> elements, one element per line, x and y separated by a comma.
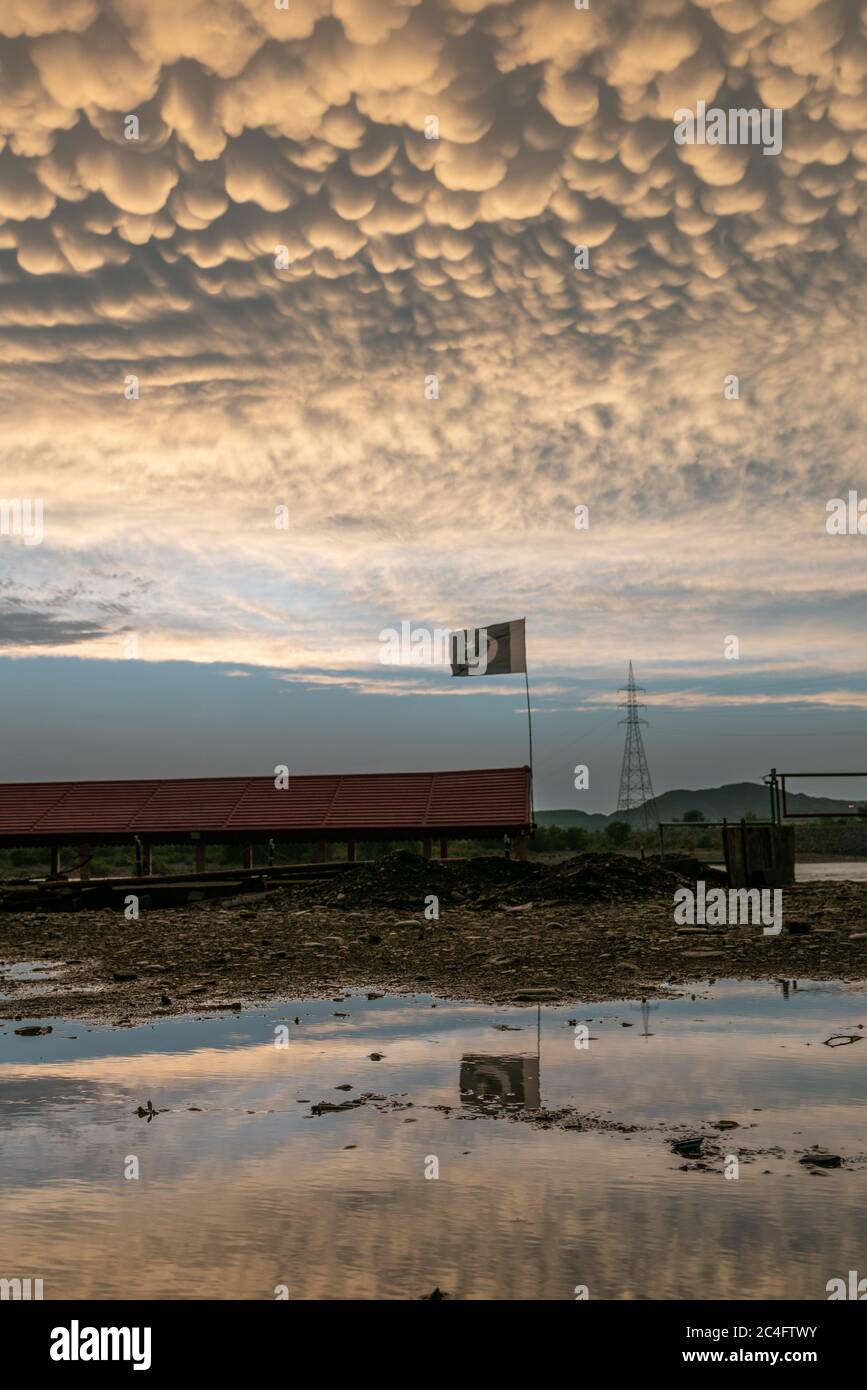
<point>250,811</point>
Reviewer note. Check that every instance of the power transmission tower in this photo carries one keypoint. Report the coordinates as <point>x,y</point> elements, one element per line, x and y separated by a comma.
<point>636,791</point>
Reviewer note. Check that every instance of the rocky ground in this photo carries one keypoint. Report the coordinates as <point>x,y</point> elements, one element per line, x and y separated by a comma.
<point>591,928</point>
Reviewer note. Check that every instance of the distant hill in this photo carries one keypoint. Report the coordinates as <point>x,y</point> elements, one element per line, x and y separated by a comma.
<point>715,803</point>
<point>566,819</point>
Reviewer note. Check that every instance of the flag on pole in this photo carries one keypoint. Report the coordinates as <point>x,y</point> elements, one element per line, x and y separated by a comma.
<point>489,651</point>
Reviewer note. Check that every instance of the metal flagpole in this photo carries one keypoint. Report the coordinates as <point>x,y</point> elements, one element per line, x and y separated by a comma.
<point>529,731</point>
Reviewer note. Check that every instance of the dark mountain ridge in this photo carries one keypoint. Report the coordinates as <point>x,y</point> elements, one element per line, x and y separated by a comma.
<point>730,802</point>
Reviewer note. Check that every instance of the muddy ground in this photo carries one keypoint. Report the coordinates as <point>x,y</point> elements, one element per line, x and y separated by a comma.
<point>595,927</point>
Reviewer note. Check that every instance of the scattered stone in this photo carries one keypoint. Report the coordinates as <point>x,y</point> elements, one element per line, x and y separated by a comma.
<point>820,1158</point>
<point>33,1032</point>
<point>688,1148</point>
<point>327,1107</point>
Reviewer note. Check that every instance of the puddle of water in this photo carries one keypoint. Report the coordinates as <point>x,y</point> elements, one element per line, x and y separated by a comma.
<point>39,973</point>
<point>30,969</point>
<point>848,871</point>
<point>249,1190</point>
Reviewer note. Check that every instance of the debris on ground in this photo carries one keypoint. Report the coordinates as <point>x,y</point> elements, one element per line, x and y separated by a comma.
<point>820,1158</point>
<point>591,927</point>
<point>403,879</point>
<point>688,1148</point>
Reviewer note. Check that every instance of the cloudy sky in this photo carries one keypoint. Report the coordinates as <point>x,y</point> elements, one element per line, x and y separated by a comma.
<point>243,310</point>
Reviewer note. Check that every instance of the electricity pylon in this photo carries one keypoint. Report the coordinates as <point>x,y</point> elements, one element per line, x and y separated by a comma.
<point>636,791</point>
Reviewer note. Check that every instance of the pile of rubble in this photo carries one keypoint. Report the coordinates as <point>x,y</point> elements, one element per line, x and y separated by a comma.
<point>405,880</point>
<point>591,878</point>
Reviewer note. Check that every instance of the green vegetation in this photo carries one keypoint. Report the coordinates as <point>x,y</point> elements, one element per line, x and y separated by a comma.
<point>618,832</point>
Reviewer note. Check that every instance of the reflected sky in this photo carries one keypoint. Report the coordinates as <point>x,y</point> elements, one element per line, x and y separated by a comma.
<point>242,1187</point>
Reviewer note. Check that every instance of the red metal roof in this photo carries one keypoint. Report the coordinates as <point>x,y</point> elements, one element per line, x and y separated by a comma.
<point>442,802</point>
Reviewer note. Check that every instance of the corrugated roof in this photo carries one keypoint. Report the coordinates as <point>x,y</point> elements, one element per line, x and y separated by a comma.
<point>484,798</point>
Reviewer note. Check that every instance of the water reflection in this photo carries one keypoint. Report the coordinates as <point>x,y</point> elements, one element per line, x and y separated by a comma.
<point>242,1186</point>
<point>505,1083</point>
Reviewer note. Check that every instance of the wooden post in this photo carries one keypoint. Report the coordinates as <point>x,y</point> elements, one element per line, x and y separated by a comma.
<point>444,848</point>
<point>521,842</point>
<point>322,852</point>
<point>745,853</point>
<point>201,857</point>
<point>350,851</point>
<point>248,856</point>
<point>427,848</point>
<point>146,860</point>
<point>85,852</point>
<point>55,861</point>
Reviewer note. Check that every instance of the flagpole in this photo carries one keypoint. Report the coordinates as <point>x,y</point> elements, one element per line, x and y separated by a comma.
<point>529,732</point>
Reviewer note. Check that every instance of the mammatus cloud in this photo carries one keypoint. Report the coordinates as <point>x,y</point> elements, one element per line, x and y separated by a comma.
<point>284,262</point>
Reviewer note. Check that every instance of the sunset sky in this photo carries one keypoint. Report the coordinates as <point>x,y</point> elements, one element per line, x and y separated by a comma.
<point>304,387</point>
